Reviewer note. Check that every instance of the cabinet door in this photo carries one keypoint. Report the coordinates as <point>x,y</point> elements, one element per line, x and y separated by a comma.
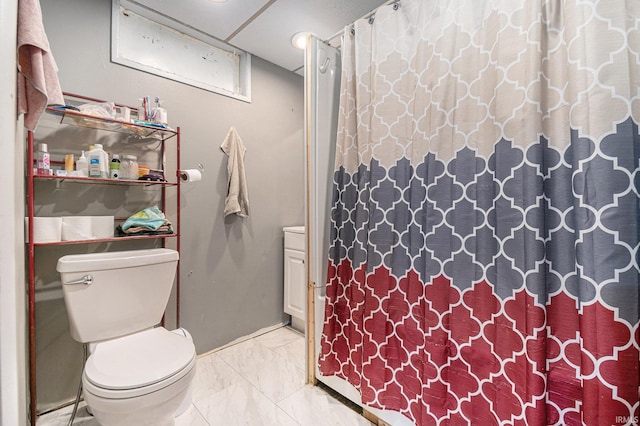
<point>294,283</point>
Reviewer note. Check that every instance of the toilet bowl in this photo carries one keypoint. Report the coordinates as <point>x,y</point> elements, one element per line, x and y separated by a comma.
<point>141,379</point>
<point>137,373</point>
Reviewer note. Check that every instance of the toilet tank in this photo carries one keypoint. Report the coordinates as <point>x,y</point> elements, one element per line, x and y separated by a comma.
<point>129,291</point>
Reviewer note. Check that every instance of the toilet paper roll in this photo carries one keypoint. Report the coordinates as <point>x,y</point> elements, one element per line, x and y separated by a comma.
<point>76,228</point>
<point>102,226</point>
<point>45,229</point>
<point>190,175</point>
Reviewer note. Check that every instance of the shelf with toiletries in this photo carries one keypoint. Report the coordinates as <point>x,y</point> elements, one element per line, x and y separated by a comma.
<point>62,184</point>
<point>111,159</point>
<point>138,129</point>
<point>103,181</point>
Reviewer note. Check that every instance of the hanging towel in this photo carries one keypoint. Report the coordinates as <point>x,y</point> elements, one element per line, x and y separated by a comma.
<point>237,201</point>
<point>38,84</point>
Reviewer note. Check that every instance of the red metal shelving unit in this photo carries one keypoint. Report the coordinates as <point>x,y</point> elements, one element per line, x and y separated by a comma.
<point>136,130</point>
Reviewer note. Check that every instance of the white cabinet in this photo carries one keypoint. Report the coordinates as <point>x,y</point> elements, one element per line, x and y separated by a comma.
<point>295,275</point>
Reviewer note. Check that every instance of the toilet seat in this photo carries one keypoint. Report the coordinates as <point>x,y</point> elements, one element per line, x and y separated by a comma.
<point>138,364</point>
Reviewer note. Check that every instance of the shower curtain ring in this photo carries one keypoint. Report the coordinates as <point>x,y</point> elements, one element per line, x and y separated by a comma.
<point>396,6</point>
<point>371,19</point>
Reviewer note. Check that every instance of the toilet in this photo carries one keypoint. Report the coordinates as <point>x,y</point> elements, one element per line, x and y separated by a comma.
<point>137,372</point>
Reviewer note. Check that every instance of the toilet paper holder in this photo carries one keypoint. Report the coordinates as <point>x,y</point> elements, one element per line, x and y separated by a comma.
<point>191,175</point>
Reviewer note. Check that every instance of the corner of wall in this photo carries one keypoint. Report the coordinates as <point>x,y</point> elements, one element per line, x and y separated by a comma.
<point>13,389</point>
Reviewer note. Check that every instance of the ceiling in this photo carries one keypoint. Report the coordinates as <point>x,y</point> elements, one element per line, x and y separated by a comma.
<point>264,28</point>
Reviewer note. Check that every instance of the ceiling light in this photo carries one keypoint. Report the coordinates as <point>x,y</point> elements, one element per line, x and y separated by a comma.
<point>299,40</point>
<point>218,1</point>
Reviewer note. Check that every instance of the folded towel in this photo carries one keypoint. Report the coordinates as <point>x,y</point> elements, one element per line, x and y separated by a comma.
<point>151,218</point>
<point>141,230</point>
<point>38,84</point>
<point>237,201</point>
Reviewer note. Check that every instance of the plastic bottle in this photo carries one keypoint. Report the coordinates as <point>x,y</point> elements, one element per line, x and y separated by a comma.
<point>159,113</point>
<point>82,165</point>
<point>98,162</point>
<point>142,110</point>
<point>114,167</point>
<point>43,160</point>
<point>68,163</point>
<point>129,167</point>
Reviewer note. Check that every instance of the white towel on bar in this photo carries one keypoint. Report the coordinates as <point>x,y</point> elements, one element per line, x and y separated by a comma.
<point>237,201</point>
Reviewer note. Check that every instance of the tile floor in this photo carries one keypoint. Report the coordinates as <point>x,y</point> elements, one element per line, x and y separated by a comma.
<point>256,382</point>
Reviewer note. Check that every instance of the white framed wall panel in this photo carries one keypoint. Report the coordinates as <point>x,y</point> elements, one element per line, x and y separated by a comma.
<point>152,42</point>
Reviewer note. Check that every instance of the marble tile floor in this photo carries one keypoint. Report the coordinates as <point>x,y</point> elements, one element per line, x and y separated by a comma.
<point>259,381</point>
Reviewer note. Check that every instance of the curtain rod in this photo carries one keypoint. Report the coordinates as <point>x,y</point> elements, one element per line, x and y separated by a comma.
<point>373,12</point>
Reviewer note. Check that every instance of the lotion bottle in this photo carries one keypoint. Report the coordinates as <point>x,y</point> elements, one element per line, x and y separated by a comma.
<point>82,165</point>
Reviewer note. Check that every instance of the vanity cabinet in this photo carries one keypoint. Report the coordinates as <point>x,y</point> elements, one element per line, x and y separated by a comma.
<point>294,274</point>
<point>67,131</point>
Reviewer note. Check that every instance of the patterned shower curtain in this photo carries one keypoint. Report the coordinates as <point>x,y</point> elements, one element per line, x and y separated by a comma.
<point>485,244</point>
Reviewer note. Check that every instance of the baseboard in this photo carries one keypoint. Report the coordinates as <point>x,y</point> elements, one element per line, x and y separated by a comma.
<point>245,338</point>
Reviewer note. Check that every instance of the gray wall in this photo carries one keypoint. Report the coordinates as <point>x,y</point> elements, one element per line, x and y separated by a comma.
<point>231,269</point>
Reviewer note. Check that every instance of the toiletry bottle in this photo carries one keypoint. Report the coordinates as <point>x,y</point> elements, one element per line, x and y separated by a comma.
<point>114,167</point>
<point>129,166</point>
<point>68,163</point>
<point>159,113</point>
<point>43,160</point>
<point>82,165</point>
<point>142,111</point>
<point>104,163</point>
<point>98,162</point>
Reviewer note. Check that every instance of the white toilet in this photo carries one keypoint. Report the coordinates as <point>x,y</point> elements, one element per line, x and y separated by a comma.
<point>136,373</point>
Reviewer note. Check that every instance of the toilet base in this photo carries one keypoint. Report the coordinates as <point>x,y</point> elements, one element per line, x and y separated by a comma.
<point>155,409</point>
<point>186,402</point>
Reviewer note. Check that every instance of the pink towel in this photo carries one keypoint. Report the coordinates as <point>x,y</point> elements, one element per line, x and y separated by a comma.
<point>38,84</point>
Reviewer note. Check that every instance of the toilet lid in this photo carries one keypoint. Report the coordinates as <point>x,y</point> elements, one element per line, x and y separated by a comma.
<point>139,359</point>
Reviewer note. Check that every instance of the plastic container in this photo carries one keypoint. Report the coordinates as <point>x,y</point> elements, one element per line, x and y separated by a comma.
<point>160,116</point>
<point>129,167</point>
<point>43,160</point>
<point>142,112</point>
<point>98,162</point>
<point>68,163</point>
<point>82,165</point>
<point>114,167</point>
<point>142,170</point>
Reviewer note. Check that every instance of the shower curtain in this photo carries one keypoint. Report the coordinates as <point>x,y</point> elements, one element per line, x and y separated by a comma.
<point>485,238</point>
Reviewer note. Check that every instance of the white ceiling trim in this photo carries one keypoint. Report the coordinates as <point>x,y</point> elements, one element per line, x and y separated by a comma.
<point>251,19</point>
